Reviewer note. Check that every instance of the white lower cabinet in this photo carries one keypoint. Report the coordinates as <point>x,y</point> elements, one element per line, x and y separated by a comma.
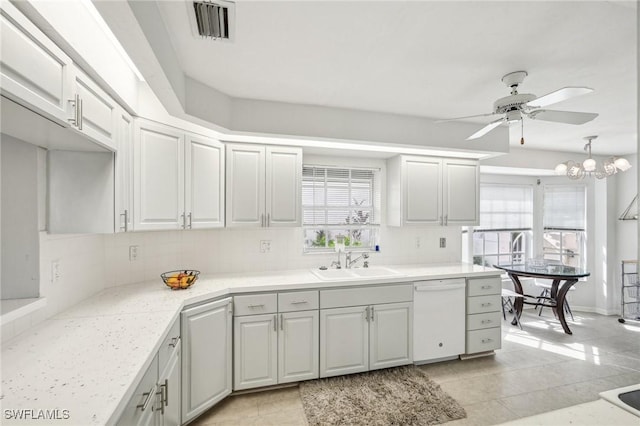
<point>363,338</point>
<point>275,347</point>
<point>167,406</point>
<point>206,364</point>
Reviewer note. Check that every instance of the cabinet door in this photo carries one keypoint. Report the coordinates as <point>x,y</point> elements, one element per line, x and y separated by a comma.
<point>124,173</point>
<point>170,391</point>
<point>34,71</point>
<point>139,410</point>
<point>97,116</point>
<point>391,335</point>
<point>245,185</point>
<point>461,192</point>
<point>206,366</point>
<point>298,352</point>
<point>422,187</point>
<point>158,170</point>
<point>283,186</point>
<point>344,341</point>
<point>255,347</point>
<point>204,182</point>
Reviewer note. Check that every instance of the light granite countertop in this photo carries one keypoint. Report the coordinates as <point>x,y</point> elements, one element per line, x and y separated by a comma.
<point>89,358</point>
<point>595,413</point>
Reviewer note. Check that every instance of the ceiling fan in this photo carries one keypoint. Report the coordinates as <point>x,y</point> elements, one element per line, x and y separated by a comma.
<point>514,107</point>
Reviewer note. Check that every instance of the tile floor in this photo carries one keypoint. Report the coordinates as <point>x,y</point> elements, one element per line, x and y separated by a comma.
<point>538,369</point>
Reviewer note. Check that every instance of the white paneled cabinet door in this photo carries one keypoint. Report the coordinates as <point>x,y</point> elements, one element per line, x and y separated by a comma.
<point>206,332</point>
<point>124,172</point>
<point>283,186</point>
<point>298,346</point>
<point>255,345</point>
<point>204,182</point>
<point>34,71</point>
<point>461,189</point>
<point>158,177</point>
<point>245,195</point>
<point>97,116</point>
<point>344,341</point>
<point>391,335</point>
<point>168,405</point>
<point>422,190</point>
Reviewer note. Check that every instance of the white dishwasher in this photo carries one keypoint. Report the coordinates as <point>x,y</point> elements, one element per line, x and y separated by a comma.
<point>438,319</point>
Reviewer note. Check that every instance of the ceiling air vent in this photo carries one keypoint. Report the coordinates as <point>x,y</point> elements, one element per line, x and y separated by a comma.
<point>214,19</point>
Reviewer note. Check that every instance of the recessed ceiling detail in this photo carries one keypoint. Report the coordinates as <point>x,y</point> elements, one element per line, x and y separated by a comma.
<point>213,20</point>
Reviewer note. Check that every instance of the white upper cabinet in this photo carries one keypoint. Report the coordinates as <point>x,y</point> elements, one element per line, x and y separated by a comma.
<point>93,112</point>
<point>263,185</point>
<point>124,172</point>
<point>158,177</point>
<point>178,179</point>
<point>35,72</point>
<point>204,182</point>
<point>432,191</point>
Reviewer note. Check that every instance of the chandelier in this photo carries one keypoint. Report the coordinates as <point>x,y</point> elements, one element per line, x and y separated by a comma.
<point>590,167</point>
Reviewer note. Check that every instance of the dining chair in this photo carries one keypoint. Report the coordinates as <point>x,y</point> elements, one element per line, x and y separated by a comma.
<point>546,293</point>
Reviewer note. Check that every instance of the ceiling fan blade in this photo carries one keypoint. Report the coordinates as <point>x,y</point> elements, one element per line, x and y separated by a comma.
<point>558,96</point>
<point>569,117</point>
<point>486,129</point>
<point>464,118</point>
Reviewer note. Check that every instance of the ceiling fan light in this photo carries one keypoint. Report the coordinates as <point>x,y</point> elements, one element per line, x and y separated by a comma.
<point>622,164</point>
<point>589,164</point>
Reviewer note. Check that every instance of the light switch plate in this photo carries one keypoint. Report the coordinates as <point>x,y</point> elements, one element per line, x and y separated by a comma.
<point>443,242</point>
<point>133,253</point>
<point>265,246</point>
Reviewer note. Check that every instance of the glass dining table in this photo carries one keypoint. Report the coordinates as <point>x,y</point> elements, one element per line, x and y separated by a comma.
<point>563,277</point>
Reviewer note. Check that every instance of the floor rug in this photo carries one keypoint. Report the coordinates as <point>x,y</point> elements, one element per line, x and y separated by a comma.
<point>394,396</point>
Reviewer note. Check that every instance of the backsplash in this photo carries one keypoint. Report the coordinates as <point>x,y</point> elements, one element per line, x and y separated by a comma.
<point>238,250</point>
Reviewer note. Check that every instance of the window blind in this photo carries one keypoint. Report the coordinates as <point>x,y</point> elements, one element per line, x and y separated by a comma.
<point>565,207</point>
<point>505,207</point>
<point>339,196</point>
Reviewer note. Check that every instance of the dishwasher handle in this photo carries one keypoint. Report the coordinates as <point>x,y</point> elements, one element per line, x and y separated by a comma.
<point>428,287</point>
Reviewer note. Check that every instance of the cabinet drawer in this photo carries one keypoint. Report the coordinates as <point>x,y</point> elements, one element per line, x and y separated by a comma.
<point>255,304</point>
<point>139,409</point>
<point>484,340</point>
<point>480,321</point>
<point>169,345</point>
<point>298,301</point>
<point>482,304</point>
<point>484,286</point>
<point>365,296</point>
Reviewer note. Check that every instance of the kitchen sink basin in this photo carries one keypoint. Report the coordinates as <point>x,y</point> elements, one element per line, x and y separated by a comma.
<point>354,273</point>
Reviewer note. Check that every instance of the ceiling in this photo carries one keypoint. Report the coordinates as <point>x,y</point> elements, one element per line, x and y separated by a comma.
<point>428,59</point>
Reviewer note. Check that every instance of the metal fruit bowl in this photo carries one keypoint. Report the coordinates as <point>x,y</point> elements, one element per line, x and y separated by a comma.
<point>181,279</point>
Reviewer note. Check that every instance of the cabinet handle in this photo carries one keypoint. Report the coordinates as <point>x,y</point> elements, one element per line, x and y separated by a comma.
<point>125,215</point>
<point>441,221</point>
<point>446,220</point>
<point>366,314</point>
<point>275,323</point>
<point>183,220</point>
<point>80,115</point>
<point>147,400</point>
<point>486,304</point>
<point>190,223</point>
<point>487,340</point>
<point>372,314</point>
<point>486,321</point>
<point>174,341</point>
<point>163,395</point>
<point>262,219</point>
<point>76,105</point>
<point>268,219</point>
<point>282,322</point>
<point>256,306</point>
<point>299,302</point>
<point>486,287</point>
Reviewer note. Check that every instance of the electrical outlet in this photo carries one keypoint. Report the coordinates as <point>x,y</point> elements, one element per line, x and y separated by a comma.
<point>265,246</point>
<point>134,251</point>
<point>443,242</point>
<point>417,242</point>
<point>56,272</point>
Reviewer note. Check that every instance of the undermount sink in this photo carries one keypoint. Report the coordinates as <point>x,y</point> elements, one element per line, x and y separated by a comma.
<point>354,273</point>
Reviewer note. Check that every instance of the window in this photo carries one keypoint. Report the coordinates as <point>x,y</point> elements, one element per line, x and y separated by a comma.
<point>564,224</point>
<point>506,220</point>
<point>340,203</point>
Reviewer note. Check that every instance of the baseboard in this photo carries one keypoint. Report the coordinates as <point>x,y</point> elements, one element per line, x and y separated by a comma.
<point>476,355</point>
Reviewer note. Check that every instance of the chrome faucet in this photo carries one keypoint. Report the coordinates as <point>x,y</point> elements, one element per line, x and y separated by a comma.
<point>348,262</point>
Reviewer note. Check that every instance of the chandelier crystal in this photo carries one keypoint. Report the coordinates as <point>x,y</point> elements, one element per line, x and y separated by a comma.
<point>589,167</point>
